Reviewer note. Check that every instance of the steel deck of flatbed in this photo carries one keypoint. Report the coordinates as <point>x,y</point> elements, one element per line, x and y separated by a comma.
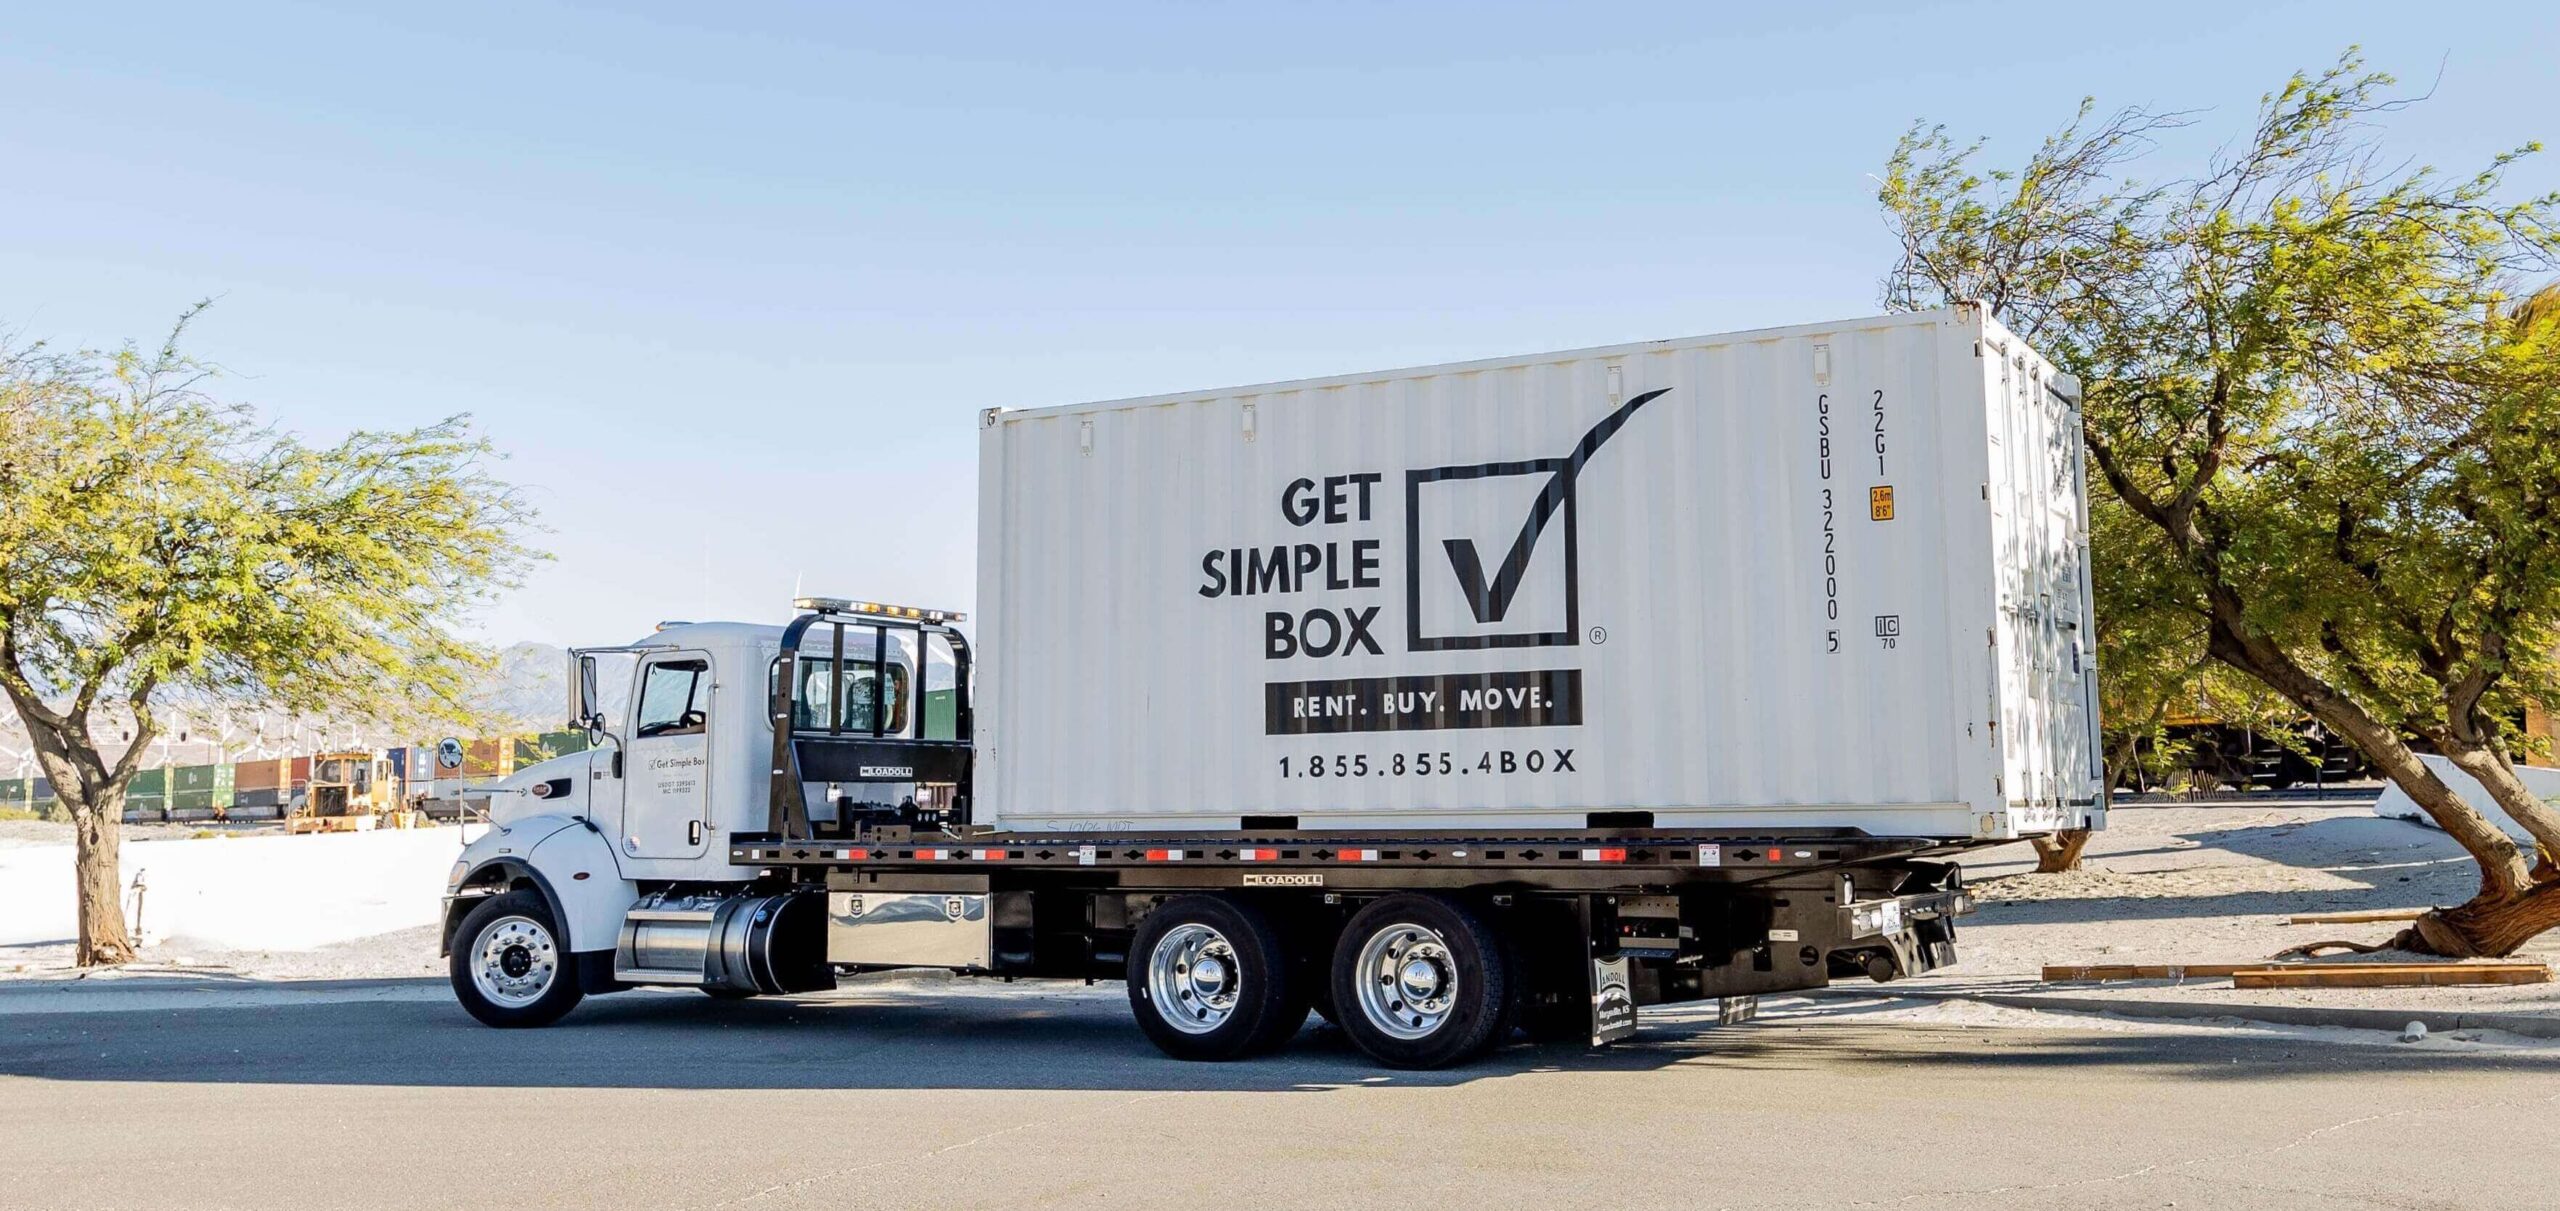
<point>1687,851</point>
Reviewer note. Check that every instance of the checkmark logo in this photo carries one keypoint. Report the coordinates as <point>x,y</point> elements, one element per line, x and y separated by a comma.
<point>1490,600</point>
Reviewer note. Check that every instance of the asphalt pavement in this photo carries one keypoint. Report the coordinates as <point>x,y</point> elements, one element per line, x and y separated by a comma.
<point>952,1095</point>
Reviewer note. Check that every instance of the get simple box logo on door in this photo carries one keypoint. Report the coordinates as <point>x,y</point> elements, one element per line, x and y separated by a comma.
<point>1491,561</point>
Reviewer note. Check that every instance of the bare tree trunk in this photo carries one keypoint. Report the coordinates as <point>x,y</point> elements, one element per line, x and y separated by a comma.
<point>93,793</point>
<point>98,829</point>
<point>2487,927</point>
<point>2061,851</point>
<point>2495,775</point>
<point>2514,903</point>
<point>2505,870</point>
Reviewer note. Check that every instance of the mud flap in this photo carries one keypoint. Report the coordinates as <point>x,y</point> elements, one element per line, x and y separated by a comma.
<point>1613,1002</point>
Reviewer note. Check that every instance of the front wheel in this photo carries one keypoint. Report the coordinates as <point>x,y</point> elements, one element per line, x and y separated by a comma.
<point>1209,980</point>
<point>511,965</point>
<point>1420,981</point>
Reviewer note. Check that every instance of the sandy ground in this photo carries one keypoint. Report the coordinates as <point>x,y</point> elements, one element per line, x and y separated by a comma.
<point>255,903</point>
<point>2213,884</point>
<point>17,833</point>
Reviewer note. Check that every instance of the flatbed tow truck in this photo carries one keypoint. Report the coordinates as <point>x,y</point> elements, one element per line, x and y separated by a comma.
<point>1451,704</point>
<point>1426,947</point>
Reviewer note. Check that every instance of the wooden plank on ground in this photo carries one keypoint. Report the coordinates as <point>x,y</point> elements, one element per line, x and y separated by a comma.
<point>2390,975</point>
<point>2355,918</point>
<point>2143,971</point>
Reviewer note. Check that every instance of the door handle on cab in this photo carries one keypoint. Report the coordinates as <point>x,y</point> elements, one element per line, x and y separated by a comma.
<point>693,832</point>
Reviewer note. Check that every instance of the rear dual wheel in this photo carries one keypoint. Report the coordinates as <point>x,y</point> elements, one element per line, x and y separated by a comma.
<point>1210,980</point>
<point>1415,981</point>
<point>1420,981</point>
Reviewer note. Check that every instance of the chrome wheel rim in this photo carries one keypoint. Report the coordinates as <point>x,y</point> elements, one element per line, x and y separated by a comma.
<point>515,961</point>
<point>1408,981</point>
<point>1192,978</point>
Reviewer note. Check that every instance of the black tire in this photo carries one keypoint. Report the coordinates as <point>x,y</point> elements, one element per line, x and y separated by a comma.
<point>727,994</point>
<point>527,944</point>
<point>1473,969</point>
<point>1257,984</point>
<point>1320,999</point>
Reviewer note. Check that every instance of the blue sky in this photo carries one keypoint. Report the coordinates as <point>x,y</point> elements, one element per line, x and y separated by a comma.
<point>731,282</point>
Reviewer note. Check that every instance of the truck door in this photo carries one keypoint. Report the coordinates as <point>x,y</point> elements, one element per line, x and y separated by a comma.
<point>667,759</point>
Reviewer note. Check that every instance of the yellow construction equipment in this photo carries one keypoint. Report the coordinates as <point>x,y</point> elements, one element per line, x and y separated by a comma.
<point>349,792</point>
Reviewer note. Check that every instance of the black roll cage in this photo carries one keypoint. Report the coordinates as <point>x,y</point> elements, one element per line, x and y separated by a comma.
<point>844,749</point>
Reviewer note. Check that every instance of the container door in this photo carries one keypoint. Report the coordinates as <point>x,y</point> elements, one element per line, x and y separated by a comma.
<point>667,761</point>
<point>2077,762</point>
<point>2093,746</point>
<point>2063,677</point>
<point>2047,639</point>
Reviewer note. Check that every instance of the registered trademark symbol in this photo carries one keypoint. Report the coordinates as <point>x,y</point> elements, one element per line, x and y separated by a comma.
<point>1599,635</point>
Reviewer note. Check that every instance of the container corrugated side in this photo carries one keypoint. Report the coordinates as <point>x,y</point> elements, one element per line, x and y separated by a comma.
<point>259,775</point>
<point>1763,590</point>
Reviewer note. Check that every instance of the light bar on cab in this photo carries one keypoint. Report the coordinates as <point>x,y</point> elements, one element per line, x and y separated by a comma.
<point>875,609</point>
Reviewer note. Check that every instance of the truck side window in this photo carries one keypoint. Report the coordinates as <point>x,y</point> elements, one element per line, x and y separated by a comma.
<point>674,696</point>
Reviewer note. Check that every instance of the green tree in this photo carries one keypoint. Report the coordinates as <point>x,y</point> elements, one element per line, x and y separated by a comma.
<point>2330,435</point>
<point>155,541</point>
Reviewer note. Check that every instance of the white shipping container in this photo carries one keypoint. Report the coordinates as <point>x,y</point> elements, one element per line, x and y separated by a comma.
<point>1827,576</point>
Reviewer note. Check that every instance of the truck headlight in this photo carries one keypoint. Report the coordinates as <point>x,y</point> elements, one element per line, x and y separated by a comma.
<point>453,882</point>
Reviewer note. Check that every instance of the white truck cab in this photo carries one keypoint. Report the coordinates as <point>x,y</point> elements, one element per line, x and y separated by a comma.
<point>603,841</point>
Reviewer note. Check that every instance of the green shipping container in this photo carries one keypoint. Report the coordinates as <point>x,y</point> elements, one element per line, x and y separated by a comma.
<point>29,795</point>
<point>149,791</point>
<point>941,714</point>
<point>530,749</point>
<point>201,787</point>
